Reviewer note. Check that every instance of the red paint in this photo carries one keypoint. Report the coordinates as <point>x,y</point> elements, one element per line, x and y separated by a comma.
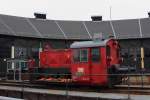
<point>55,58</point>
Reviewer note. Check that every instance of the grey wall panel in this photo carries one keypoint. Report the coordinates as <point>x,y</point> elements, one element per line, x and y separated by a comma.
<point>26,43</point>
<point>55,44</point>
<point>127,28</point>
<point>130,43</point>
<point>47,28</point>
<point>3,67</point>
<point>19,25</point>
<point>99,27</point>
<point>74,29</point>
<point>5,52</point>
<point>145,27</point>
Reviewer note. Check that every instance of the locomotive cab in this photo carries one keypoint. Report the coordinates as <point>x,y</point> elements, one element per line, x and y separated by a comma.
<point>93,61</point>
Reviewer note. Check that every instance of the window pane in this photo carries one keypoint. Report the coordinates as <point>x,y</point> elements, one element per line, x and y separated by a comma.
<point>9,65</point>
<point>84,55</point>
<point>76,55</point>
<point>95,55</point>
<point>17,65</point>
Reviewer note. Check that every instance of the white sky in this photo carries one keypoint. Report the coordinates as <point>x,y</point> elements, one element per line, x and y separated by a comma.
<point>77,9</point>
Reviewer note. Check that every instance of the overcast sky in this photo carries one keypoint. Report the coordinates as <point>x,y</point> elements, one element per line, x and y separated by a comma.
<point>77,9</point>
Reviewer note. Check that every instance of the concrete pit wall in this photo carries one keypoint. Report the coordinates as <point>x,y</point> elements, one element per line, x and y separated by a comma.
<point>35,96</point>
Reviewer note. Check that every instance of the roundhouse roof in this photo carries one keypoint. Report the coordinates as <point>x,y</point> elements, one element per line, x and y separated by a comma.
<point>60,29</point>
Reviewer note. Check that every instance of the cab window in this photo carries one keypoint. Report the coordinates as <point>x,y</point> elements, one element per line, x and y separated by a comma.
<point>80,55</point>
<point>76,55</point>
<point>95,53</point>
<point>83,55</point>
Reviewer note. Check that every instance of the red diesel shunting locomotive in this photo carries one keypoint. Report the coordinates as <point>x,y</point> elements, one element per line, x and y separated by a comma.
<point>87,62</point>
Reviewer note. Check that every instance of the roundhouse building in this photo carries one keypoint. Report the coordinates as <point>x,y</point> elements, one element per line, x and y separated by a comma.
<point>22,38</point>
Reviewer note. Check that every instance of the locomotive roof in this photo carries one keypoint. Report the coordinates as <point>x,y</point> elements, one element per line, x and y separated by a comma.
<point>86,44</point>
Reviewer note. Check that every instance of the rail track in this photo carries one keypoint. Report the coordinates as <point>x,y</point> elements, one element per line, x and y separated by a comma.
<point>125,89</point>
